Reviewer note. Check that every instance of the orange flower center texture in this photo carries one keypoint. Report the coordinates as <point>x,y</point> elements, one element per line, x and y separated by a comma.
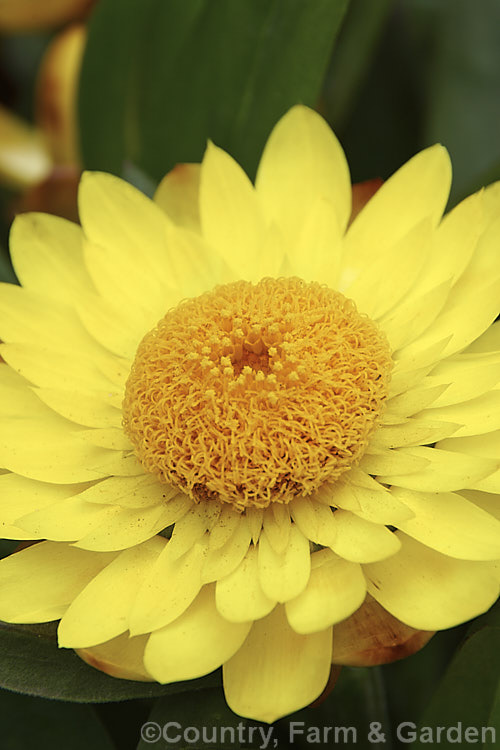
<point>255,393</point>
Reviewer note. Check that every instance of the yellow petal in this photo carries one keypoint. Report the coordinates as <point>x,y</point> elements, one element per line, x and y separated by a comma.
<point>168,590</point>
<point>239,596</point>
<point>277,671</point>
<point>467,376</point>
<point>411,317</point>
<point>47,256</point>
<point>455,241</point>
<point>484,261</point>
<point>446,471</point>
<point>86,408</point>
<point>193,266</point>
<point>449,523</point>
<point>314,253</point>
<point>425,429</point>
<point>487,501</point>
<point>335,590</point>
<point>428,590</point>
<point>127,527</point>
<point>125,225</point>
<point>416,191</point>
<point>117,327</point>
<point>50,368</point>
<point>231,218</point>
<point>409,371</point>
<point>389,276</point>
<point>67,520</point>
<point>221,562</point>
<point>40,582</point>
<point>112,437</point>
<point>387,462</point>
<point>45,449</point>
<point>27,317</point>
<point>284,576</point>
<point>137,492</point>
<point>100,612</point>
<point>188,529</point>
<point>489,341</point>
<point>255,517</point>
<point>414,400</point>
<point>375,505</point>
<point>21,496</point>
<point>178,195</point>
<point>362,541</point>
<point>277,529</point>
<point>314,519</point>
<point>224,528</point>
<point>456,321</point>
<point>195,644</point>
<point>302,162</point>
<point>479,415</point>
<point>483,446</point>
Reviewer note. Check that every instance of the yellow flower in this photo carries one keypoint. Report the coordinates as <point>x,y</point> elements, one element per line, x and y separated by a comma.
<point>315,416</point>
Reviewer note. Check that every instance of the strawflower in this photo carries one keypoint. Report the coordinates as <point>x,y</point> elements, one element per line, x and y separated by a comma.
<point>233,419</point>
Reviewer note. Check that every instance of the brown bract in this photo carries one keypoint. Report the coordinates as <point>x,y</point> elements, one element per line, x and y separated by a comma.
<point>372,636</point>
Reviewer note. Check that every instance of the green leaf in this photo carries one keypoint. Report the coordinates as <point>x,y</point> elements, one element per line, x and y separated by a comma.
<point>187,721</point>
<point>31,663</point>
<point>159,77</point>
<point>228,71</point>
<point>116,30</point>
<point>464,101</point>
<point>36,723</point>
<point>469,691</point>
<point>352,56</point>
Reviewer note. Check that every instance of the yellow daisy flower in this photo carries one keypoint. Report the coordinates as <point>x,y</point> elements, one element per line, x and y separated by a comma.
<point>314,418</point>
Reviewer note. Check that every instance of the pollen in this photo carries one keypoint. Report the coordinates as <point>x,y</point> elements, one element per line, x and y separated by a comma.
<point>252,394</point>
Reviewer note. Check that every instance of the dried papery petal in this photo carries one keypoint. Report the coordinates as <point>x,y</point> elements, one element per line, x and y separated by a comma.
<point>361,194</point>
<point>27,15</point>
<point>24,155</point>
<point>121,657</point>
<point>57,85</point>
<point>372,636</point>
<point>57,195</point>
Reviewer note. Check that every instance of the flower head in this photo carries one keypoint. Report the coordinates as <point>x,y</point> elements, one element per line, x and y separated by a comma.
<point>232,417</point>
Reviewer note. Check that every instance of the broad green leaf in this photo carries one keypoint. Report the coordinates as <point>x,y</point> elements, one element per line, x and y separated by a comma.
<point>201,720</point>
<point>116,30</point>
<point>352,56</point>
<point>28,722</point>
<point>159,77</point>
<point>31,663</point>
<point>227,71</point>
<point>469,692</point>
<point>464,102</point>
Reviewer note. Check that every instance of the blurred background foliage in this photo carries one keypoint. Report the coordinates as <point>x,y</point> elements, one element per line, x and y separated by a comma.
<point>136,86</point>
